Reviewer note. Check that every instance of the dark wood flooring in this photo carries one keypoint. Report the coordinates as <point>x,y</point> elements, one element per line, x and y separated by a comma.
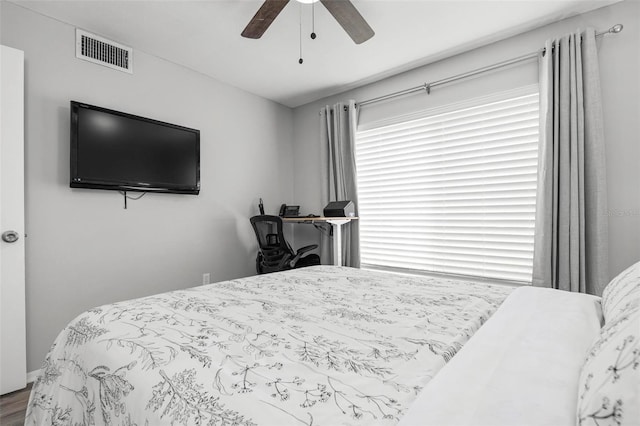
<point>13,406</point>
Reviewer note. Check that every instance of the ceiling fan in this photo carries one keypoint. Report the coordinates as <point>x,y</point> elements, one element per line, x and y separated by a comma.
<point>342,10</point>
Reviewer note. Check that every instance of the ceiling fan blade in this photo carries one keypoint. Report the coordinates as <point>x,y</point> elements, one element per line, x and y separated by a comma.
<point>350,19</point>
<point>263,18</point>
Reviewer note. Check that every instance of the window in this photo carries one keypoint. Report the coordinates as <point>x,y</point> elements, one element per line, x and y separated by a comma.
<point>452,191</point>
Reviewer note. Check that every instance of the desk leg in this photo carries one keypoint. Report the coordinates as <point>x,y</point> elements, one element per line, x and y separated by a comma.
<point>337,239</point>
<point>337,244</point>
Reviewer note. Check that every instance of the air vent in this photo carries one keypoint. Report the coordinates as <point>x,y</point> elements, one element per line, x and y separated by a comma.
<point>98,50</point>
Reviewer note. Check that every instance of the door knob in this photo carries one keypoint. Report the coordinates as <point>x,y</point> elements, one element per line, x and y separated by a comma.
<point>10,236</point>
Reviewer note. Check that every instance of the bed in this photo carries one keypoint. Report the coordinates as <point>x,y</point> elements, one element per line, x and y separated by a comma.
<point>546,357</point>
<point>322,345</point>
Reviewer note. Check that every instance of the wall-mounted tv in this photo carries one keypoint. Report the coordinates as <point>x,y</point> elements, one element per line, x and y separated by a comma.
<point>125,152</point>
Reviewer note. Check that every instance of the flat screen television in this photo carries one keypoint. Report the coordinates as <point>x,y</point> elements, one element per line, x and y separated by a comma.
<point>124,152</point>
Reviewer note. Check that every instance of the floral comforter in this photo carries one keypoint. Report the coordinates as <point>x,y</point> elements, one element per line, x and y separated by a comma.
<point>322,345</point>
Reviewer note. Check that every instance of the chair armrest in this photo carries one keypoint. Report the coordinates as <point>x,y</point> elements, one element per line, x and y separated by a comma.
<point>300,252</point>
<point>306,249</point>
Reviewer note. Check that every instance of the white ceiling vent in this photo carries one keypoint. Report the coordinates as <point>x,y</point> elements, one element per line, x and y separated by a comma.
<point>99,50</point>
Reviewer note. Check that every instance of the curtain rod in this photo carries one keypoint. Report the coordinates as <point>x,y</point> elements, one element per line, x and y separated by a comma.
<point>426,87</point>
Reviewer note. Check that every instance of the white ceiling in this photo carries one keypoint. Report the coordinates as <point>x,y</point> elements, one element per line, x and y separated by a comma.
<point>204,35</point>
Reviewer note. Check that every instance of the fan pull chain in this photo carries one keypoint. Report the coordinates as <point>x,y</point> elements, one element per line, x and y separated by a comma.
<point>300,61</point>
<point>313,21</point>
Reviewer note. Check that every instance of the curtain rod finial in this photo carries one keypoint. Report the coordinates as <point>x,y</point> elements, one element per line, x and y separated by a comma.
<point>616,28</point>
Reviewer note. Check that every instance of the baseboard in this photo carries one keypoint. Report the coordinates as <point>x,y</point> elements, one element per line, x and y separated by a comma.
<point>32,376</point>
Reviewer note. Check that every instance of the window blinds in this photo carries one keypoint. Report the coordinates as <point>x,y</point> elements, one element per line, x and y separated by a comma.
<point>452,192</point>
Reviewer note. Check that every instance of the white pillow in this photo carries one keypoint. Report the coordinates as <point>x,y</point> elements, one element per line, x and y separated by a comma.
<point>609,386</point>
<point>622,291</point>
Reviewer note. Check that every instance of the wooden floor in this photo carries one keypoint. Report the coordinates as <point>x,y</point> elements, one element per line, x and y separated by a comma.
<point>12,407</point>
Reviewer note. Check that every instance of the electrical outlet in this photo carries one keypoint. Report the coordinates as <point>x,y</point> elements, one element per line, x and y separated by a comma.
<point>206,278</point>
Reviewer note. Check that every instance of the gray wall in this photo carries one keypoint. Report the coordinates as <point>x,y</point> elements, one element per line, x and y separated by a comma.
<point>83,248</point>
<point>620,71</point>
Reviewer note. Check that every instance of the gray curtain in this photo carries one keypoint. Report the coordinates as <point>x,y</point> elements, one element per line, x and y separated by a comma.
<point>571,235</point>
<point>338,129</point>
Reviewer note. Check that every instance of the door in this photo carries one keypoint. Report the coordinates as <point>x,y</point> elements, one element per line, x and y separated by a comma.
<point>13,368</point>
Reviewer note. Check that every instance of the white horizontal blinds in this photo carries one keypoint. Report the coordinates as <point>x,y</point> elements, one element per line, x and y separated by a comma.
<point>453,192</point>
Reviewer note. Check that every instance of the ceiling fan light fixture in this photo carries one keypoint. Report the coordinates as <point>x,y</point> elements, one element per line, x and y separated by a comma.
<point>307,1</point>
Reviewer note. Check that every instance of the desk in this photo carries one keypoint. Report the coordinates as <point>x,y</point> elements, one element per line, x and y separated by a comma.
<point>336,224</point>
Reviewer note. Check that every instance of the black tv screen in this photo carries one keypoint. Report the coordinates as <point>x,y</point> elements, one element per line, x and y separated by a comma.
<point>124,152</point>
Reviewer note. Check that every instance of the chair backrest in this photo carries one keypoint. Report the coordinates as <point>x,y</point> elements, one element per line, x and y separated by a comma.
<point>275,250</point>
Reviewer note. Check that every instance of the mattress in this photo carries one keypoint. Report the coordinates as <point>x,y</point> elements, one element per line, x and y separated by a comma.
<point>320,345</point>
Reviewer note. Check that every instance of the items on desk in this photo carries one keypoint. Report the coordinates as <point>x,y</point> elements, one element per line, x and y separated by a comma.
<point>289,211</point>
<point>340,209</point>
<point>344,208</point>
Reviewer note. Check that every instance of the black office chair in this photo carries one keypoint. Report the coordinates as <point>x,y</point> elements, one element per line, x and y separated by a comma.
<point>274,253</point>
